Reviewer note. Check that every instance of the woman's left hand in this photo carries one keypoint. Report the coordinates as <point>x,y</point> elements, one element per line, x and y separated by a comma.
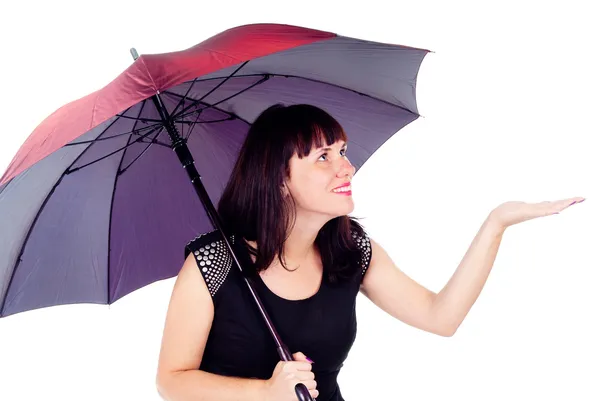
<point>514,212</point>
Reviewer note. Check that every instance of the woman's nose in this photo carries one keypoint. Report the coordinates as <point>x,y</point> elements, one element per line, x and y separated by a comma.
<point>346,168</point>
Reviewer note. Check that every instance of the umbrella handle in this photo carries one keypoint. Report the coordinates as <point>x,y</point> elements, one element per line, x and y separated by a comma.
<point>301,391</point>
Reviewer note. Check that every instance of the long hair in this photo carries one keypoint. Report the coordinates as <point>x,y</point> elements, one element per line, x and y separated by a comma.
<point>253,205</point>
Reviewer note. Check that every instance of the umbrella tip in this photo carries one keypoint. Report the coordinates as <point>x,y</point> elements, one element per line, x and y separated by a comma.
<point>134,53</point>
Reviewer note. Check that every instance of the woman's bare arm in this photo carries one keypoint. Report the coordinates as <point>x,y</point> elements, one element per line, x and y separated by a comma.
<point>188,322</point>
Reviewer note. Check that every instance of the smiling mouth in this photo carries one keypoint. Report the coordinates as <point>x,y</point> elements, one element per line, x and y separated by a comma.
<point>345,190</point>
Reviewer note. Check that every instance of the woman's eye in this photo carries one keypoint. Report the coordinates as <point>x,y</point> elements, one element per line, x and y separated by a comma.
<point>342,152</point>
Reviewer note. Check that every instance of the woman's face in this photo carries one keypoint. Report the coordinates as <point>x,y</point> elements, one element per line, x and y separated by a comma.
<point>314,179</point>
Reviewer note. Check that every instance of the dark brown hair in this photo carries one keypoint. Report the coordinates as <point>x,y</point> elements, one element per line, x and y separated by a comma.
<point>253,205</point>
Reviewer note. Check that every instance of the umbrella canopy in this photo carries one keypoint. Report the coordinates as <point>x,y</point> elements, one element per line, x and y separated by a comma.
<point>95,204</point>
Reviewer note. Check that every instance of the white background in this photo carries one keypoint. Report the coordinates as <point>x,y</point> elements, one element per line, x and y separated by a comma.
<point>510,106</point>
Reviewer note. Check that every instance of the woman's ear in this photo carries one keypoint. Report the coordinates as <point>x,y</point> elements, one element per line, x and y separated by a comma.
<point>284,190</point>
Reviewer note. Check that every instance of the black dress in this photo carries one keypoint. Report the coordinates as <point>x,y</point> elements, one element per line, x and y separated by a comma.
<point>323,326</point>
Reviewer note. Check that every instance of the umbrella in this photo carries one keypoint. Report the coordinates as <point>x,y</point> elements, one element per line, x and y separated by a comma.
<point>96,204</point>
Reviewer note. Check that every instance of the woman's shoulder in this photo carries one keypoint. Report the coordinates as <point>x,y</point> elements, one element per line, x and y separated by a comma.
<point>212,258</point>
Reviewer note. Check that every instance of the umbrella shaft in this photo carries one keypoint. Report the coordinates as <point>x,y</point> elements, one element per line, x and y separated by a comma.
<point>180,147</point>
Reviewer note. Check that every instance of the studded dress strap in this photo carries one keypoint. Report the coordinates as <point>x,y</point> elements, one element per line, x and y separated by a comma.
<point>213,259</point>
<point>364,244</point>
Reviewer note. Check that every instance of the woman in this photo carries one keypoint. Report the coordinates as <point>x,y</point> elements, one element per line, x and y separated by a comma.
<point>286,205</point>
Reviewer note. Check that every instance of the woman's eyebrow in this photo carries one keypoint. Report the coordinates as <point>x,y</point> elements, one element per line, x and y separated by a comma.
<point>329,148</point>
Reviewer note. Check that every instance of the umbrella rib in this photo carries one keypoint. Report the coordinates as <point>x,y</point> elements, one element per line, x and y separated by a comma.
<point>69,171</point>
<point>225,79</point>
<point>192,124</point>
<point>140,119</point>
<point>29,231</point>
<point>190,127</point>
<point>232,115</point>
<point>345,88</point>
<point>206,122</point>
<point>260,81</point>
<point>112,203</point>
<point>308,79</point>
<point>186,93</point>
<point>119,172</point>
<point>19,258</point>
<point>157,142</point>
<point>133,132</point>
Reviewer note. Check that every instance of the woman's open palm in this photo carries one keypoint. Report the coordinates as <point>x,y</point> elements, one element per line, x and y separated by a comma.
<point>514,212</point>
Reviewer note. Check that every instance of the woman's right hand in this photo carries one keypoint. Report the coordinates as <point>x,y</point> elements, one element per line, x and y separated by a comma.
<point>282,384</point>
